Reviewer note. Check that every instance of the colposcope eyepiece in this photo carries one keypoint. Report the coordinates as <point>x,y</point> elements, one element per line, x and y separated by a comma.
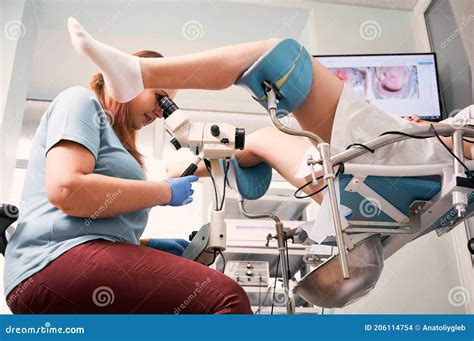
<point>167,105</point>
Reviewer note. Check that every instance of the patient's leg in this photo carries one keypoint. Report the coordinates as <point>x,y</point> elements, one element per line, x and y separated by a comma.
<point>317,112</point>
<point>219,68</point>
<point>213,69</point>
<point>126,75</point>
<point>281,151</point>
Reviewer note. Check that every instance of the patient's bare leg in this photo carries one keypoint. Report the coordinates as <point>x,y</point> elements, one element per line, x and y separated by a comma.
<point>219,68</point>
<point>317,112</point>
<point>281,151</point>
<point>213,69</point>
<point>126,75</point>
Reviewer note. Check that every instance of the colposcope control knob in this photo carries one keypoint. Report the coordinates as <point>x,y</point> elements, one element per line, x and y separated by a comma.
<point>249,266</point>
<point>215,131</point>
<point>249,273</point>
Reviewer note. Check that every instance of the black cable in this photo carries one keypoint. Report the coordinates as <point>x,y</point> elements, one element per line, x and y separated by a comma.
<point>226,170</point>
<point>337,173</point>
<point>361,145</point>
<point>319,190</point>
<point>275,285</point>
<point>466,140</point>
<point>214,259</point>
<point>223,260</point>
<point>405,134</point>
<point>208,166</point>
<point>264,299</point>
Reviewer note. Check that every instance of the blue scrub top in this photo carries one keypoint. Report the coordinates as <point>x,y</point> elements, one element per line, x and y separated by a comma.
<point>44,232</point>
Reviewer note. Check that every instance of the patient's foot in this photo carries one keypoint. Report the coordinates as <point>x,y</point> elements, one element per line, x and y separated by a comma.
<point>121,71</point>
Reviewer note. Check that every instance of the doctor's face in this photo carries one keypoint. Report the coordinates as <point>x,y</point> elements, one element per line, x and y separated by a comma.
<point>144,108</point>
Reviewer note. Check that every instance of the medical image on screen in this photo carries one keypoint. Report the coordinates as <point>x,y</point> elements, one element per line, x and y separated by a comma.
<point>353,76</point>
<point>394,82</point>
<point>400,84</point>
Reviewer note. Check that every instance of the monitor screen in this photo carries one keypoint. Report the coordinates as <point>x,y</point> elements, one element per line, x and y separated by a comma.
<point>400,84</point>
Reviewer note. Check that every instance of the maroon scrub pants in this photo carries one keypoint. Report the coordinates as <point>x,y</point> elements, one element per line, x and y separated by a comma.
<point>103,277</point>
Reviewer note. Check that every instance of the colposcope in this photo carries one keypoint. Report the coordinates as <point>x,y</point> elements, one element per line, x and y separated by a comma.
<point>210,142</point>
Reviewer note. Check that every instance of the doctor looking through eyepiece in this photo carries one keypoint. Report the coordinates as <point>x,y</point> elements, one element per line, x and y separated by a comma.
<point>87,202</point>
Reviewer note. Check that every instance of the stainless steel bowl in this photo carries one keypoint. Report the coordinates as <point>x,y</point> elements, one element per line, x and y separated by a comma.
<point>325,286</point>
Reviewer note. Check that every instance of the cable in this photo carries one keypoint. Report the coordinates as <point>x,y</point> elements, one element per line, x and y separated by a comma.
<point>361,145</point>
<point>214,259</point>
<point>405,134</point>
<point>341,169</point>
<point>264,299</point>
<point>223,260</point>
<point>226,170</point>
<point>208,166</point>
<point>275,285</point>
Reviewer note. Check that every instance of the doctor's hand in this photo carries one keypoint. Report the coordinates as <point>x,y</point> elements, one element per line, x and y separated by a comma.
<point>181,190</point>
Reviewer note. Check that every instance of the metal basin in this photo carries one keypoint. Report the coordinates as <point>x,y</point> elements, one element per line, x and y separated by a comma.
<point>325,287</point>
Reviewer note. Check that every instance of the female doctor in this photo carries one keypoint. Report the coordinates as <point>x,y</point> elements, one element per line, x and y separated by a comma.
<point>85,204</point>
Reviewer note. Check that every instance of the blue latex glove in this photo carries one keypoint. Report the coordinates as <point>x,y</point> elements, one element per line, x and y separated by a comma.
<point>181,190</point>
<point>170,245</point>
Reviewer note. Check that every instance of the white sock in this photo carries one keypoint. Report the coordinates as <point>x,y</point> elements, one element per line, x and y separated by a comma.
<point>121,71</point>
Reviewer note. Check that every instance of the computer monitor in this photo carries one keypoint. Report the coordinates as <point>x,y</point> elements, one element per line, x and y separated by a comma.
<point>399,84</point>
